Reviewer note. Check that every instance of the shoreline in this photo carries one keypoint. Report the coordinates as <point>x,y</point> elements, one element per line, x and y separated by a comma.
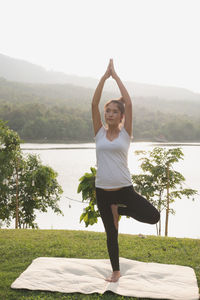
<point>87,145</point>
<point>92,141</point>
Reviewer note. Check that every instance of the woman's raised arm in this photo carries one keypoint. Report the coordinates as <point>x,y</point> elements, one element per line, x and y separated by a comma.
<point>125,99</point>
<point>96,117</point>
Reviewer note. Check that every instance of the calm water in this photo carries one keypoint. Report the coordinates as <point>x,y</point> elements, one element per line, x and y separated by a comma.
<point>72,161</point>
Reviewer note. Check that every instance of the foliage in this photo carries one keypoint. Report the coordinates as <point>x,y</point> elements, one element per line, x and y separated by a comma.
<point>38,190</point>
<point>9,154</point>
<point>160,183</point>
<point>87,187</point>
<point>63,112</point>
<point>26,185</point>
<point>152,184</point>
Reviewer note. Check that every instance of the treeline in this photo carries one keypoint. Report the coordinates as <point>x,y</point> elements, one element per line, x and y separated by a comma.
<point>62,113</point>
<point>35,121</point>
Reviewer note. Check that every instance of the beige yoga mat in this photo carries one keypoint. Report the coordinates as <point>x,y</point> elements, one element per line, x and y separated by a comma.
<point>139,279</point>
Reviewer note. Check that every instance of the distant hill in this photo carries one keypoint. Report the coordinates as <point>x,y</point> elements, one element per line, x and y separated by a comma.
<point>62,112</point>
<point>81,97</point>
<point>22,71</point>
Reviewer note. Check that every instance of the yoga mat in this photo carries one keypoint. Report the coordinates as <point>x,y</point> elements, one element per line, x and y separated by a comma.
<point>139,279</point>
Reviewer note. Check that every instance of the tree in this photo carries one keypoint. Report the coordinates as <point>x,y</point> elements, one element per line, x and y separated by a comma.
<point>26,185</point>
<point>9,156</point>
<point>87,187</point>
<point>160,183</point>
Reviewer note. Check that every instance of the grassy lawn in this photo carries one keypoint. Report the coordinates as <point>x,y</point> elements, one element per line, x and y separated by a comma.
<point>19,247</point>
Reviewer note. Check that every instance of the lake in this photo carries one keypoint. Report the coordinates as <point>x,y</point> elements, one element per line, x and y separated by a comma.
<point>71,161</point>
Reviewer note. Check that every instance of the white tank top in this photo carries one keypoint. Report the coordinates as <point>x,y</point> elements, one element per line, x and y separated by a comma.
<point>112,157</point>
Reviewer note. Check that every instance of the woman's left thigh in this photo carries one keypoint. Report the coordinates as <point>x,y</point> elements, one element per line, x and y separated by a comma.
<point>137,206</point>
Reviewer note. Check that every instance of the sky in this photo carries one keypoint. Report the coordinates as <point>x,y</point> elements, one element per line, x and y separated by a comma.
<point>150,41</point>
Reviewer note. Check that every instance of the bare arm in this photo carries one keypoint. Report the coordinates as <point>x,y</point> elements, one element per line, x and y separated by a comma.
<point>96,117</point>
<point>125,99</point>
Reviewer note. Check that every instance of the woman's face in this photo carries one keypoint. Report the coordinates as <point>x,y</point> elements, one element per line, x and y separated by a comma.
<point>112,114</point>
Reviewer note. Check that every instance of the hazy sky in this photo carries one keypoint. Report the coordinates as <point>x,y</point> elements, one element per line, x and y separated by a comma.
<point>151,41</point>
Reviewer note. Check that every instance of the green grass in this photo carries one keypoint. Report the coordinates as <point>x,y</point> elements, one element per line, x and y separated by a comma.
<point>19,247</point>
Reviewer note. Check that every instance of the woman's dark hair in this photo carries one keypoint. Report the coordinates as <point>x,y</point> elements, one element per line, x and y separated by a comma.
<point>119,104</point>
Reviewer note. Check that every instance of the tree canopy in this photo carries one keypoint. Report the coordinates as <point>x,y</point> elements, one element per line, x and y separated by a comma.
<point>26,185</point>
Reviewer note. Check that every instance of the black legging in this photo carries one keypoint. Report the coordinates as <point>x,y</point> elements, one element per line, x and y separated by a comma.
<point>137,207</point>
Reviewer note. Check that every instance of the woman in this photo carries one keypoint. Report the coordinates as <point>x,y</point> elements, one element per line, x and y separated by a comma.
<point>114,191</point>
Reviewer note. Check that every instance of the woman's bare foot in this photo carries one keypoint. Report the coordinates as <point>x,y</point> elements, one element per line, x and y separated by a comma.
<point>114,208</point>
<point>114,277</point>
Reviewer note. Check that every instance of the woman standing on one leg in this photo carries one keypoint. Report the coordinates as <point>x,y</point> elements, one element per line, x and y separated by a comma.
<point>113,180</point>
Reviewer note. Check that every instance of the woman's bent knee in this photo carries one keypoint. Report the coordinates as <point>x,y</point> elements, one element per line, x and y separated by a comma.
<point>155,217</point>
